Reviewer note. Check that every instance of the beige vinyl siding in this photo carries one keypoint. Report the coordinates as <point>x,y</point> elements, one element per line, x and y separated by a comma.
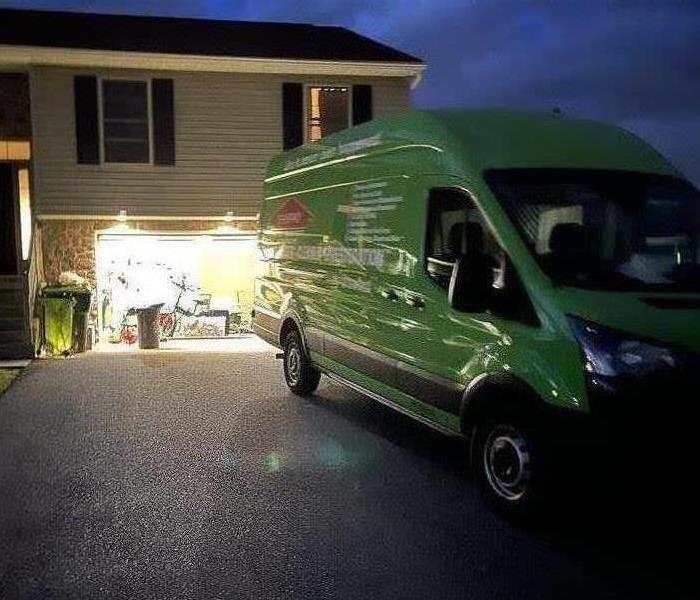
<point>227,127</point>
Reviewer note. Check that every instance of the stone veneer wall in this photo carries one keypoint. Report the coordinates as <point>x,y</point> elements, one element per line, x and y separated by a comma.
<point>69,245</point>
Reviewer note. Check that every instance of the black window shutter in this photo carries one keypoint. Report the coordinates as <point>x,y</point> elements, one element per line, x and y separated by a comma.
<point>163,122</point>
<point>87,134</point>
<point>292,115</point>
<point>361,104</point>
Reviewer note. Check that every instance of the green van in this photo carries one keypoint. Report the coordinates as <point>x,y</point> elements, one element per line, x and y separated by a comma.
<point>531,282</point>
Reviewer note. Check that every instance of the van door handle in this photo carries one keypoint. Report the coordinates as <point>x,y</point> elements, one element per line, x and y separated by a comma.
<point>390,295</point>
<point>415,302</point>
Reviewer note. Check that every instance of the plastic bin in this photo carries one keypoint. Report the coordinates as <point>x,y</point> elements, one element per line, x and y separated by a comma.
<point>58,324</point>
<point>148,320</point>
<point>81,301</point>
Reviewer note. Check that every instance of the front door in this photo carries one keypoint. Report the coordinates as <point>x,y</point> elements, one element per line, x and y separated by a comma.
<point>8,222</point>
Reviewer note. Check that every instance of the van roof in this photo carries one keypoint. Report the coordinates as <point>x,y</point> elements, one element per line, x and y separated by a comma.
<point>465,142</point>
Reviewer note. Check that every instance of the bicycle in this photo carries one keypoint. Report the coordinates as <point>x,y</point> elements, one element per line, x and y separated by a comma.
<point>187,323</point>
<point>128,334</point>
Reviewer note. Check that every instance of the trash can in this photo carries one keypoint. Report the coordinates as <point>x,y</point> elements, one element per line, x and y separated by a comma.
<point>81,312</point>
<point>58,324</point>
<point>148,320</point>
<point>82,299</point>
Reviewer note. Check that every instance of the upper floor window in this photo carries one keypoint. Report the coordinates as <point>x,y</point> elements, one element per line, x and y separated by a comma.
<point>311,112</point>
<point>124,121</point>
<point>126,127</point>
<point>328,111</point>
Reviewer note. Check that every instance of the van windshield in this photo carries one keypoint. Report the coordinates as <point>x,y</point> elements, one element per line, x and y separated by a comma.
<point>606,229</point>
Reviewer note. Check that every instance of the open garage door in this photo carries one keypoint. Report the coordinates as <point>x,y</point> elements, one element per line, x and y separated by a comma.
<point>203,282</point>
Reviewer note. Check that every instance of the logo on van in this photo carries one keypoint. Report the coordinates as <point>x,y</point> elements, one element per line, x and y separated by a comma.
<point>293,214</point>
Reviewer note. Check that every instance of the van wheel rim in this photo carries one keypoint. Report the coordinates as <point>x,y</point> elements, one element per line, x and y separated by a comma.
<point>507,462</point>
<point>293,364</point>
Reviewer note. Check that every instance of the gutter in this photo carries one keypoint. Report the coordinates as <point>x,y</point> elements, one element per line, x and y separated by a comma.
<point>25,56</point>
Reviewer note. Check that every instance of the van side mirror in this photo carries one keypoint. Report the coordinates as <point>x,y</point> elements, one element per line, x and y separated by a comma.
<point>470,284</point>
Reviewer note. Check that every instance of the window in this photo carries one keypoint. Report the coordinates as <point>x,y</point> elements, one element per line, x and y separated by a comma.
<point>457,229</point>
<point>328,111</point>
<point>125,121</point>
<point>606,229</point>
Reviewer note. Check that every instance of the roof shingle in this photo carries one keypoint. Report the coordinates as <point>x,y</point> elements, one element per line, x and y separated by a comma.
<point>245,39</point>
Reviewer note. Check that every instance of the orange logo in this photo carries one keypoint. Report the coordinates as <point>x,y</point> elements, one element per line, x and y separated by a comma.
<point>292,215</point>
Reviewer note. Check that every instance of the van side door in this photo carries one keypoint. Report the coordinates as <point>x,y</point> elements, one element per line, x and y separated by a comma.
<point>440,350</point>
<point>359,249</point>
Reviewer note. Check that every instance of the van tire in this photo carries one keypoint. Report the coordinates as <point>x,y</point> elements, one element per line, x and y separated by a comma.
<point>506,460</point>
<point>301,376</point>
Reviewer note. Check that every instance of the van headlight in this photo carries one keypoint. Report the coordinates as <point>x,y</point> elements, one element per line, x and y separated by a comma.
<point>610,353</point>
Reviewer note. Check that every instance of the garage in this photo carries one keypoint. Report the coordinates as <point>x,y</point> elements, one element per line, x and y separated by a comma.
<point>203,283</point>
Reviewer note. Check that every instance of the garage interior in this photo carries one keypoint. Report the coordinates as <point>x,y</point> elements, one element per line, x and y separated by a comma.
<point>203,283</point>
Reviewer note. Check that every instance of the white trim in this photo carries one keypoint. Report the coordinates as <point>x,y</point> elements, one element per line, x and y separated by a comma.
<point>73,57</point>
<point>415,81</point>
<point>113,217</point>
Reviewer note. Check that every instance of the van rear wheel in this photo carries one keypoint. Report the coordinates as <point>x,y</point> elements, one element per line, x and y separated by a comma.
<point>301,376</point>
<point>504,456</point>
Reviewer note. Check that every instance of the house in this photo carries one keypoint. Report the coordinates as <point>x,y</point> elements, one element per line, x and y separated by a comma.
<point>133,149</point>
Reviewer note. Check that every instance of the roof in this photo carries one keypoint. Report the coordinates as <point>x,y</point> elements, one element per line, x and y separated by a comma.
<point>500,138</point>
<point>465,142</point>
<point>198,37</point>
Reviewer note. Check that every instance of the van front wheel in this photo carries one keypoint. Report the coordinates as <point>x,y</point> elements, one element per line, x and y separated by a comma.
<point>505,459</point>
<point>301,376</point>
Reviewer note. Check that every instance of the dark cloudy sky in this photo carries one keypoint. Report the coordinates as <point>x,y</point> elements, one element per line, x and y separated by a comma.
<point>633,63</point>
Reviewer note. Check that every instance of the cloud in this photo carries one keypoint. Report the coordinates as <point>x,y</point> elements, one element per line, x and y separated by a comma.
<point>632,63</point>
<point>635,65</point>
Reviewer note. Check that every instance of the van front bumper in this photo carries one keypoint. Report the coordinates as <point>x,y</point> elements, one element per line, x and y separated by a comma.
<point>643,429</point>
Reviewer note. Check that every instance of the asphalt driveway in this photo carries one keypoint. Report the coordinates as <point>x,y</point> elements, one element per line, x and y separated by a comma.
<point>197,475</point>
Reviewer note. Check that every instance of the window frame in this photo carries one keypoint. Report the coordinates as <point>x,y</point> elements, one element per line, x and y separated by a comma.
<point>306,102</point>
<point>100,113</point>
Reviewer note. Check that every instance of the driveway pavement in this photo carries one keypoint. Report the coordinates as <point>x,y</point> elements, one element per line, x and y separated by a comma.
<point>197,475</point>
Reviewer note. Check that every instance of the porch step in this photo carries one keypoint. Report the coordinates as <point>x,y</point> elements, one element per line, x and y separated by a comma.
<point>16,351</point>
<point>15,340</point>
<point>11,282</point>
<point>12,311</point>
<point>11,302</point>
<point>12,323</point>
<point>11,293</point>
<point>19,336</point>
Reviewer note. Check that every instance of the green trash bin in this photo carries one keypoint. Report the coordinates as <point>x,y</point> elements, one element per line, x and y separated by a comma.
<point>58,324</point>
<point>81,299</point>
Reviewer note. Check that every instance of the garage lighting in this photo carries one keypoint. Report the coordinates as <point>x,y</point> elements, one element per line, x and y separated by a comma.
<point>122,216</point>
<point>229,217</point>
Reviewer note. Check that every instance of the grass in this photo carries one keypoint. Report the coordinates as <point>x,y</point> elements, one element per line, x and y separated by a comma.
<point>7,376</point>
